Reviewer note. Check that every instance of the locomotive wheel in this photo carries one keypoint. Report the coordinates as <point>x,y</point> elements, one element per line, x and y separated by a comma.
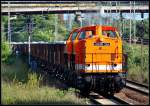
<point>108,87</point>
<point>70,79</point>
<point>90,82</point>
<point>84,92</point>
<point>111,86</point>
<point>79,83</point>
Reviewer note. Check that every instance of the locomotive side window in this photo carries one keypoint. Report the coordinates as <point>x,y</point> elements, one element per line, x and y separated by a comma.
<point>74,35</point>
<point>104,33</point>
<point>112,34</point>
<point>109,33</point>
<point>89,34</point>
<point>86,34</point>
<point>82,35</point>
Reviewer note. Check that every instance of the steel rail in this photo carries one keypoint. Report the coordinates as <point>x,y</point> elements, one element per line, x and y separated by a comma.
<point>137,87</point>
<point>120,100</point>
<point>110,100</point>
<point>139,84</point>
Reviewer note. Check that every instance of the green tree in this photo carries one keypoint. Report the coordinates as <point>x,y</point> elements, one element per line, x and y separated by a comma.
<point>6,51</point>
<point>138,34</point>
<point>43,28</point>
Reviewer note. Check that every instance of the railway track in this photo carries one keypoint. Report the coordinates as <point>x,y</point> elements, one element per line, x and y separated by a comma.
<point>117,100</point>
<point>137,87</point>
<point>103,100</point>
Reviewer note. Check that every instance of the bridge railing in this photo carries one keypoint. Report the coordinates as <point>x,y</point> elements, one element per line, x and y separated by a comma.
<point>70,4</point>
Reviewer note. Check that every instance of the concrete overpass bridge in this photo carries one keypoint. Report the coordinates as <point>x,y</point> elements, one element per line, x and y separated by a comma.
<point>60,7</point>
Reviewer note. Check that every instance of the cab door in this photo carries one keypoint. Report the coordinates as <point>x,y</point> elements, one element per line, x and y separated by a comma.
<point>79,48</point>
<point>69,42</point>
<point>70,48</point>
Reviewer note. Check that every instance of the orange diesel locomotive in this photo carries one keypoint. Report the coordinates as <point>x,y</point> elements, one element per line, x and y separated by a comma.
<point>96,53</point>
<point>90,59</point>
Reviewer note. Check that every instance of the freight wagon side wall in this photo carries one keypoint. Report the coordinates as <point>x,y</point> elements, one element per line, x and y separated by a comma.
<point>50,53</point>
<point>56,53</point>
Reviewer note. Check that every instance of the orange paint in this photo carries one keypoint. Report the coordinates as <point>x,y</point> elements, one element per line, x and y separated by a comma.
<point>98,46</point>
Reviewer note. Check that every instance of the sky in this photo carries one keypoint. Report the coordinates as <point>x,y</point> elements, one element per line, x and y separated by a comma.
<point>137,16</point>
<point>125,15</point>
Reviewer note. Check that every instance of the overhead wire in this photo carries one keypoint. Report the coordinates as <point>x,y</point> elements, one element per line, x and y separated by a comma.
<point>120,20</point>
<point>110,13</point>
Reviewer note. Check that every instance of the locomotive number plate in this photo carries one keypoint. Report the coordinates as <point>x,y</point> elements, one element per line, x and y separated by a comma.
<point>101,44</point>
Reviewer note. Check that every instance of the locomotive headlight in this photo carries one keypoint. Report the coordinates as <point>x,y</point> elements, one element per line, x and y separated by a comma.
<point>114,65</point>
<point>87,65</point>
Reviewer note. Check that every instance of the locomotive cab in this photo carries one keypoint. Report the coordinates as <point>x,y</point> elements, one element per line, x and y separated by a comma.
<point>95,49</point>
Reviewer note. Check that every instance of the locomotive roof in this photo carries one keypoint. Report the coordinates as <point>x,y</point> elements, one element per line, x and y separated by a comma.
<point>103,27</point>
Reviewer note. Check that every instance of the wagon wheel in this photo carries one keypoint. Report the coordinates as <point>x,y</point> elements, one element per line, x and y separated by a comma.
<point>66,74</point>
<point>63,75</point>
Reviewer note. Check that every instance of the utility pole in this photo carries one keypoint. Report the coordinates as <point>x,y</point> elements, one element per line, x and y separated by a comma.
<point>122,26</point>
<point>81,22</point>
<point>134,23</point>
<point>116,12</point>
<point>142,34</point>
<point>107,15</point>
<point>141,53</point>
<point>99,13</point>
<point>9,31</point>
<point>121,23</point>
<point>56,27</point>
<point>120,15</point>
<point>29,26</point>
<point>70,22</point>
<point>130,23</point>
<point>110,13</point>
<point>89,20</point>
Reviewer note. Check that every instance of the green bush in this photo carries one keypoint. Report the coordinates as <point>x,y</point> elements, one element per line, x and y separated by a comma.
<point>138,65</point>
<point>6,51</point>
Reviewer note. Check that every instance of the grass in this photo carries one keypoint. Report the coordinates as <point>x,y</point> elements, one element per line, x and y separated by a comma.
<point>22,86</point>
<point>138,70</point>
<point>22,94</point>
<point>18,70</point>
